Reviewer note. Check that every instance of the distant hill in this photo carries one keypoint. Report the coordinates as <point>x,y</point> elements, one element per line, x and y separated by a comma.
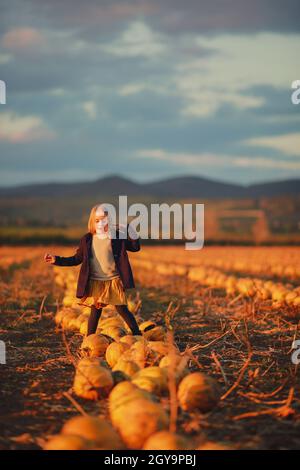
<point>193,187</point>
<point>273,189</point>
<point>177,187</point>
<point>110,185</point>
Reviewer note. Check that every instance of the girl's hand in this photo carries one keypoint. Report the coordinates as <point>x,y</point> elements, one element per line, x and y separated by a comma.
<point>49,258</point>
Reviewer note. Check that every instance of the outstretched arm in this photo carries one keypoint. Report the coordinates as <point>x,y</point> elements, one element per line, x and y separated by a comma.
<point>70,260</point>
<point>132,244</point>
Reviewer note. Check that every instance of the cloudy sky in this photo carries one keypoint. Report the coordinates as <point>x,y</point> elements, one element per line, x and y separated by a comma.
<point>149,89</point>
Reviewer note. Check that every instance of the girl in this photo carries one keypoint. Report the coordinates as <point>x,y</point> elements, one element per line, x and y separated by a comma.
<point>105,269</point>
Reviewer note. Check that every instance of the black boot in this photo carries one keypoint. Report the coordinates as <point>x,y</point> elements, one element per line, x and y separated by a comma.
<point>129,318</point>
<point>93,320</point>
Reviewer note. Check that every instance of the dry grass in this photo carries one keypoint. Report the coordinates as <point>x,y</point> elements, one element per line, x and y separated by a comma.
<point>244,344</point>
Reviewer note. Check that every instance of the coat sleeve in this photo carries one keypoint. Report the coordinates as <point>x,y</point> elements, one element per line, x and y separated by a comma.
<point>71,260</point>
<point>132,244</point>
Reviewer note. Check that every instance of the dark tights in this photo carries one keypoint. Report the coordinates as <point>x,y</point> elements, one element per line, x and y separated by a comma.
<point>122,310</point>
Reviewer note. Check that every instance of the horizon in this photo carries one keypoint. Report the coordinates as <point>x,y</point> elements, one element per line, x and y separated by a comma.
<point>157,180</point>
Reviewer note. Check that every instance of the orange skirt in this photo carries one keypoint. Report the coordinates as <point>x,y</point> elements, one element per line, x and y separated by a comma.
<point>102,293</point>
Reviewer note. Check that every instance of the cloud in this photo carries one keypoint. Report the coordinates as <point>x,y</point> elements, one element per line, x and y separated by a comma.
<point>228,15</point>
<point>87,16</point>
<point>5,58</point>
<point>90,108</point>
<point>22,38</point>
<point>135,88</point>
<point>131,89</point>
<point>170,16</point>
<point>288,144</point>
<point>193,78</point>
<point>262,162</point>
<point>205,103</point>
<point>21,129</point>
<point>138,40</point>
<point>242,62</point>
<point>215,160</point>
<point>57,92</point>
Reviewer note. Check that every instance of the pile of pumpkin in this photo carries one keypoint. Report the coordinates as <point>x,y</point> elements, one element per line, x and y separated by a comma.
<point>275,261</point>
<point>278,292</point>
<point>133,373</point>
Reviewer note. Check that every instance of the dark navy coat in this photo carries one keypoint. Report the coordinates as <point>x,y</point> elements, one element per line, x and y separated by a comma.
<point>119,248</point>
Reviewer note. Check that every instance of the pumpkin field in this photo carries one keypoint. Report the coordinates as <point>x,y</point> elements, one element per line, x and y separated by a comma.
<point>212,370</point>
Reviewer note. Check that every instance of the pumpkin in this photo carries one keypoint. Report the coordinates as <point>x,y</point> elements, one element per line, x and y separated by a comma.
<point>296,301</point>
<point>147,324</point>
<point>82,317</point>
<point>138,353</point>
<point>95,429</point>
<point>129,339</point>
<point>59,316</point>
<point>141,353</point>
<point>92,381</point>
<point>73,324</point>
<point>83,327</point>
<point>290,297</point>
<point>79,320</point>
<point>68,301</point>
<point>67,442</point>
<point>264,294</point>
<point>127,367</point>
<point>174,360</point>
<point>246,287</point>
<point>165,440</point>
<point>160,347</point>
<point>147,383</point>
<point>86,362</point>
<point>155,334</point>
<point>123,393</point>
<point>131,305</point>
<point>114,352</point>
<point>197,274</point>
<point>230,290</point>
<point>154,379</point>
<point>113,332</point>
<point>138,420</point>
<point>67,318</point>
<point>211,445</point>
<point>198,391</point>
<point>86,310</point>
<point>59,280</point>
<point>279,295</point>
<point>111,321</point>
<point>178,363</point>
<point>94,345</point>
<point>71,286</point>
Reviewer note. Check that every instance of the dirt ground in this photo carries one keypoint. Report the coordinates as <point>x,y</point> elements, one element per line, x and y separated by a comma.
<point>246,347</point>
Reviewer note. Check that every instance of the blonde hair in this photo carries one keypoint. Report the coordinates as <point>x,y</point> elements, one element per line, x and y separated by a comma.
<point>91,222</point>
